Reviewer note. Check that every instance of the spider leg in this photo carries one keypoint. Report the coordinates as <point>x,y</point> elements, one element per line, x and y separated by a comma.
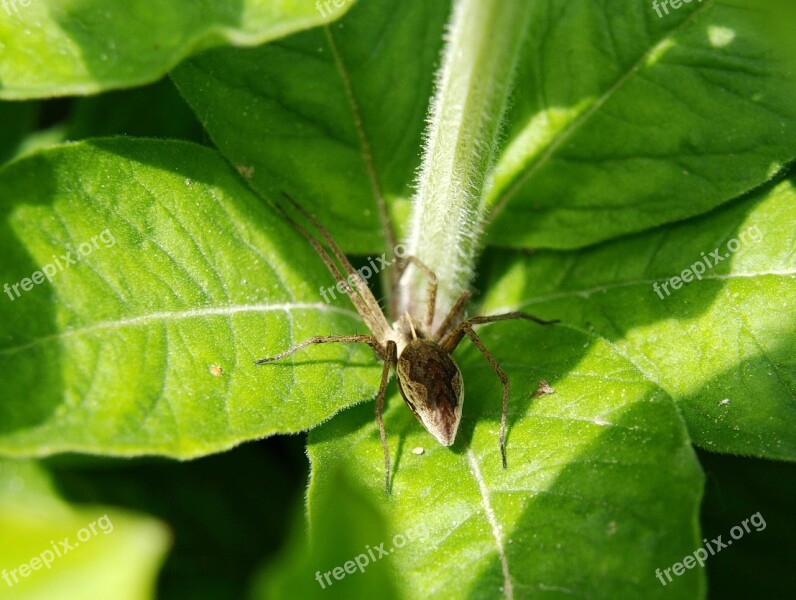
<point>366,302</point>
<point>431,295</point>
<point>466,328</point>
<point>452,339</point>
<point>453,316</point>
<point>327,339</point>
<point>389,361</point>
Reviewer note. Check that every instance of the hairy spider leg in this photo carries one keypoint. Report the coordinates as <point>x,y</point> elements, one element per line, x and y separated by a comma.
<point>453,317</point>
<point>389,362</point>
<point>431,294</point>
<point>377,323</point>
<point>452,339</point>
<point>326,339</point>
<point>367,307</point>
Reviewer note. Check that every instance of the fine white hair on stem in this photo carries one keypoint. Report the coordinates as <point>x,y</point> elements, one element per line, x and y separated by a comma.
<point>473,85</point>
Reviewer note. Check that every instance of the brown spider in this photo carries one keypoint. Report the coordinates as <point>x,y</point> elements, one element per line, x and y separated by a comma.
<point>428,378</point>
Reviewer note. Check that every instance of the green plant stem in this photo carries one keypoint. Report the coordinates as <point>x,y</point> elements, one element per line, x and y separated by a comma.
<point>467,110</point>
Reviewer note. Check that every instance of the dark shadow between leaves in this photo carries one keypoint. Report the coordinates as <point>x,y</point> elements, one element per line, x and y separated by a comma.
<point>225,511</point>
<point>27,348</point>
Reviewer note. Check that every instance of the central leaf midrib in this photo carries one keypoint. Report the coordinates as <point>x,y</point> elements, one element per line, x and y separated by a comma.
<point>146,319</point>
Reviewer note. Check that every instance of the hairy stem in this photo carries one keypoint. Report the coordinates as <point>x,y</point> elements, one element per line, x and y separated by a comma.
<point>469,103</point>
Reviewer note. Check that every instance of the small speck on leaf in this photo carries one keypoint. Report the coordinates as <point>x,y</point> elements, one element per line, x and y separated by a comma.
<point>543,389</point>
<point>247,172</point>
<point>216,371</point>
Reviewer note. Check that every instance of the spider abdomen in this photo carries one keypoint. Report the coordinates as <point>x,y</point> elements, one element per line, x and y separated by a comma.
<point>432,387</point>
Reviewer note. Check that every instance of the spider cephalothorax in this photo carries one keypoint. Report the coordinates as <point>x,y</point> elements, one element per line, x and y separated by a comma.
<point>428,378</point>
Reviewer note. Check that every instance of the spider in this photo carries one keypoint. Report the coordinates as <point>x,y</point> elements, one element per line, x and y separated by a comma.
<point>428,378</point>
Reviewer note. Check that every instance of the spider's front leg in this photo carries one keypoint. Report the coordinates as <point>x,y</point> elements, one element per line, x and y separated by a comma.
<point>326,339</point>
<point>452,339</point>
<point>431,292</point>
<point>390,358</point>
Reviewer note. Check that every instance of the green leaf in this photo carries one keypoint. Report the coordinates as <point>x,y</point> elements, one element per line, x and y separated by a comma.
<point>708,84</point>
<point>180,270</point>
<point>52,49</point>
<point>623,121</point>
<point>53,550</point>
<point>601,486</point>
<point>721,346</point>
<point>333,116</point>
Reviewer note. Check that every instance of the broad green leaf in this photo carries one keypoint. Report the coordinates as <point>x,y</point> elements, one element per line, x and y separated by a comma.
<point>333,115</point>
<point>602,486</point>
<point>623,120</point>
<point>182,279</point>
<point>57,48</point>
<point>347,526</point>
<point>721,345</point>
<point>186,275</point>
<point>52,549</point>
